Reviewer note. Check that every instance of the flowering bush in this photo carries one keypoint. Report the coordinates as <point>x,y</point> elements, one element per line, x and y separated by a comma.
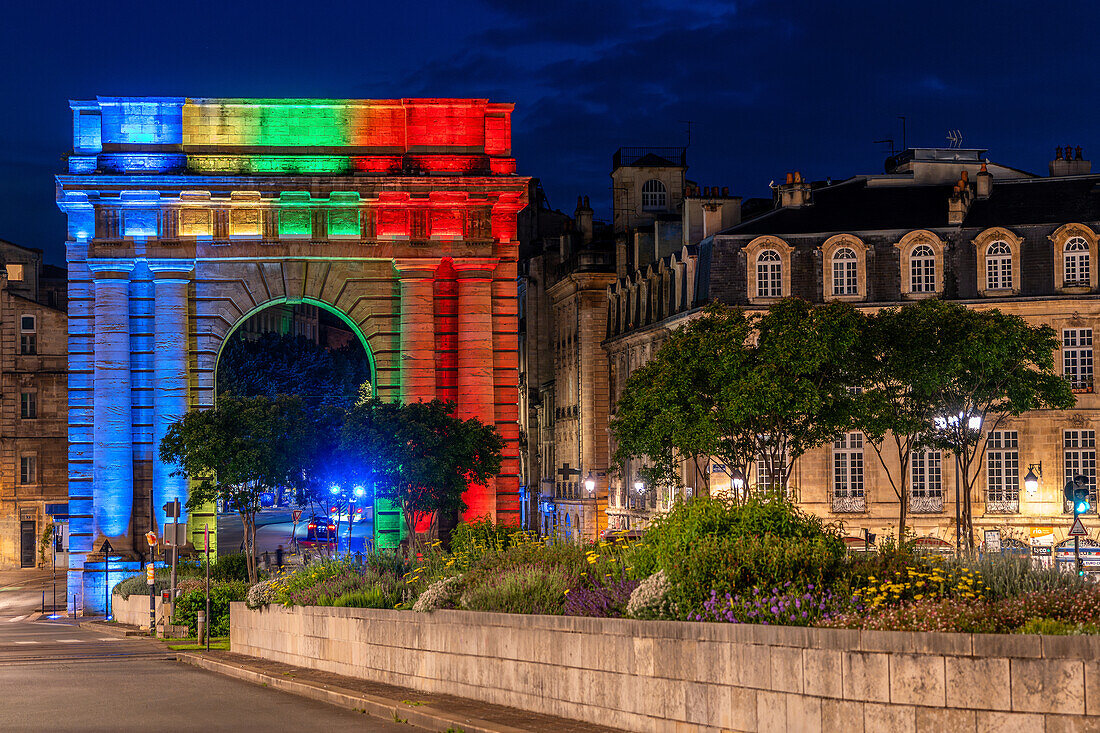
<point>968,615</point>
<point>261,593</point>
<point>787,605</point>
<point>522,589</point>
<point>917,582</point>
<point>650,600</point>
<point>443,593</point>
<point>601,600</point>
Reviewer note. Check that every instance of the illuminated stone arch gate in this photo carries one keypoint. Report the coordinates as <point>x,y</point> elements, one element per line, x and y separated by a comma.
<point>185,216</point>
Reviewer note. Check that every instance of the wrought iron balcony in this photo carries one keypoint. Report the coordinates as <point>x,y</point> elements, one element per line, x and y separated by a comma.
<point>926,504</point>
<point>1067,506</point>
<point>1002,506</point>
<point>849,504</point>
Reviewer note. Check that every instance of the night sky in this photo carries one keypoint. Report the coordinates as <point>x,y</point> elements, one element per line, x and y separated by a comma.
<point>770,86</point>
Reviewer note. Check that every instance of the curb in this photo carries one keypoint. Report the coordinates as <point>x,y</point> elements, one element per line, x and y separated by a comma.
<point>112,629</point>
<point>424,716</point>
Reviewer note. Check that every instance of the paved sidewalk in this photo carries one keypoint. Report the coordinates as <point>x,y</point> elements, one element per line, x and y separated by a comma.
<point>431,711</point>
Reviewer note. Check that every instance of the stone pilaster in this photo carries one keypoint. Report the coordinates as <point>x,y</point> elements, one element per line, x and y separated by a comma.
<point>417,279</point>
<point>475,362</point>
<point>112,421</point>
<point>171,281</point>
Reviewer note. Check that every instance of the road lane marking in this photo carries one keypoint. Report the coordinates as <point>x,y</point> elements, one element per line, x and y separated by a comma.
<point>108,638</point>
<point>26,642</point>
<point>17,618</point>
<point>69,641</point>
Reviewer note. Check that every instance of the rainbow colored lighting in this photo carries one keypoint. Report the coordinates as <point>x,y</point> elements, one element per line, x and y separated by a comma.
<point>300,137</point>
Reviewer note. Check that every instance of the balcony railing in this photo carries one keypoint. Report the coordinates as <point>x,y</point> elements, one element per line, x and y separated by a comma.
<point>849,504</point>
<point>1002,506</point>
<point>1067,506</point>
<point>1080,384</point>
<point>926,504</point>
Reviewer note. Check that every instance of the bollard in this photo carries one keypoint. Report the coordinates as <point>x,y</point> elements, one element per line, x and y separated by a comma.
<point>200,626</point>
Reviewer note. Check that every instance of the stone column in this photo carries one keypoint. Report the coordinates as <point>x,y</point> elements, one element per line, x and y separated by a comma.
<point>475,362</point>
<point>113,446</point>
<point>417,278</point>
<point>171,280</point>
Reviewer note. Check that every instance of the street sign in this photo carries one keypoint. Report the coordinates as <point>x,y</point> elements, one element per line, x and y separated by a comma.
<point>175,534</point>
<point>993,540</point>
<point>106,548</point>
<point>151,538</point>
<point>1078,529</point>
<point>295,515</point>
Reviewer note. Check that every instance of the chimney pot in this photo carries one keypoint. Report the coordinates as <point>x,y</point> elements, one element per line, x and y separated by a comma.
<point>1058,152</point>
<point>797,177</point>
<point>965,178</point>
<point>586,204</point>
<point>1069,152</point>
<point>726,189</point>
<point>1078,153</point>
<point>790,178</point>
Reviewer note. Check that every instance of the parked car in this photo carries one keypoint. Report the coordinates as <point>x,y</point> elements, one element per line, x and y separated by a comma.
<point>319,531</point>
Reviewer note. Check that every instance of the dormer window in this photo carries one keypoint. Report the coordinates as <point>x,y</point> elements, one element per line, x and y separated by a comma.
<point>654,195</point>
<point>922,269</point>
<point>1077,265</point>
<point>845,272</point>
<point>769,274</point>
<point>998,266</point>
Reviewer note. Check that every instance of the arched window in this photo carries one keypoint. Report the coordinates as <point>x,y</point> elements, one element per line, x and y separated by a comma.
<point>653,195</point>
<point>769,275</point>
<point>845,267</point>
<point>998,266</point>
<point>922,269</point>
<point>1077,261</point>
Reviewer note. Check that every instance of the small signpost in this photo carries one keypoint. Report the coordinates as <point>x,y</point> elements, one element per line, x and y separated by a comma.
<point>175,535</point>
<point>151,538</point>
<point>206,534</point>
<point>1078,529</point>
<point>993,540</point>
<point>295,517</point>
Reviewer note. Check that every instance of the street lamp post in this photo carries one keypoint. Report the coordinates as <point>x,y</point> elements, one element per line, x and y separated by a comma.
<point>357,493</point>
<point>590,487</point>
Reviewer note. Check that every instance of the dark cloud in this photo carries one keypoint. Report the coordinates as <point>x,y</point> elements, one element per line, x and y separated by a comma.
<point>769,87</point>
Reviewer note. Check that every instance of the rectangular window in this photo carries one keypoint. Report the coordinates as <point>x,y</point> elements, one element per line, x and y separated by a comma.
<point>845,280</point>
<point>27,324</point>
<point>28,405</point>
<point>28,344</point>
<point>998,272</point>
<point>15,273</point>
<point>28,470</point>
<point>926,472</point>
<point>1077,358</point>
<point>1002,463</point>
<point>922,271</point>
<point>848,466</point>
<point>766,479</point>
<point>1079,451</point>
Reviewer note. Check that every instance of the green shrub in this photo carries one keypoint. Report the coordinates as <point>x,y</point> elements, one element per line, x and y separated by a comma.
<point>229,567</point>
<point>716,545</point>
<point>221,595</point>
<point>523,589</point>
<point>1053,627</point>
<point>376,596</point>
<point>1007,576</point>
<point>136,585</point>
<point>481,535</point>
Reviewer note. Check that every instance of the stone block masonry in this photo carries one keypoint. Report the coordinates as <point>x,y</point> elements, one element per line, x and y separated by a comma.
<point>657,676</point>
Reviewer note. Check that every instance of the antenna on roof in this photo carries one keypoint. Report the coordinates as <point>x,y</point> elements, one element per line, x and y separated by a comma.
<point>955,139</point>
<point>886,140</point>
<point>689,123</point>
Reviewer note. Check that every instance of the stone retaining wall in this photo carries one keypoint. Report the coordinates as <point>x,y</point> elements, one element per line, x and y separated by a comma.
<point>134,610</point>
<point>664,675</point>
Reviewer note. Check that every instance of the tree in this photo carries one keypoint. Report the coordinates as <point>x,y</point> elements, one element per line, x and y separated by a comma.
<point>236,451</point>
<point>795,391</point>
<point>276,364</point>
<point>420,455</point>
<point>901,369</point>
<point>670,410</point>
<point>994,366</point>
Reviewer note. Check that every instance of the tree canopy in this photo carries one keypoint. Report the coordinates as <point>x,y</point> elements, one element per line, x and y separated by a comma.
<point>236,451</point>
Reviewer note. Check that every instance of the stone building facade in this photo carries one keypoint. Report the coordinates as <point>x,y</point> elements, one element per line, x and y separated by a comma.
<point>33,403</point>
<point>937,224</point>
<point>188,216</point>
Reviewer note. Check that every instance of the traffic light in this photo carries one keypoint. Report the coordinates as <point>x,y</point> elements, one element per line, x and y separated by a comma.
<point>1077,493</point>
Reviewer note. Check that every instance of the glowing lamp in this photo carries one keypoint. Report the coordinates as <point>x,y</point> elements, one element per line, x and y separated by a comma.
<point>639,486</point>
<point>1031,481</point>
<point>335,489</point>
<point>360,491</point>
<point>737,479</point>
<point>590,483</point>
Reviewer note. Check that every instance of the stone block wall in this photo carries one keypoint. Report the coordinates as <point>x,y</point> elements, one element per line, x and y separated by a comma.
<point>659,676</point>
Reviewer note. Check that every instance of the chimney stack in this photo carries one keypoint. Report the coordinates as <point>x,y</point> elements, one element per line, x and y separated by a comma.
<point>795,193</point>
<point>959,203</point>
<point>1069,161</point>
<point>583,217</point>
<point>983,182</point>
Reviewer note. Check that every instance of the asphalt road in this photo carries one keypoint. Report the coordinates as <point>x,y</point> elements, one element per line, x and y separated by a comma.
<point>57,676</point>
<point>273,528</point>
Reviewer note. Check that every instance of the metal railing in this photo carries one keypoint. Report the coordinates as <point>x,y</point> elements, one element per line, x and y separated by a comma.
<point>630,156</point>
<point>849,504</point>
<point>926,504</point>
<point>1002,506</point>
